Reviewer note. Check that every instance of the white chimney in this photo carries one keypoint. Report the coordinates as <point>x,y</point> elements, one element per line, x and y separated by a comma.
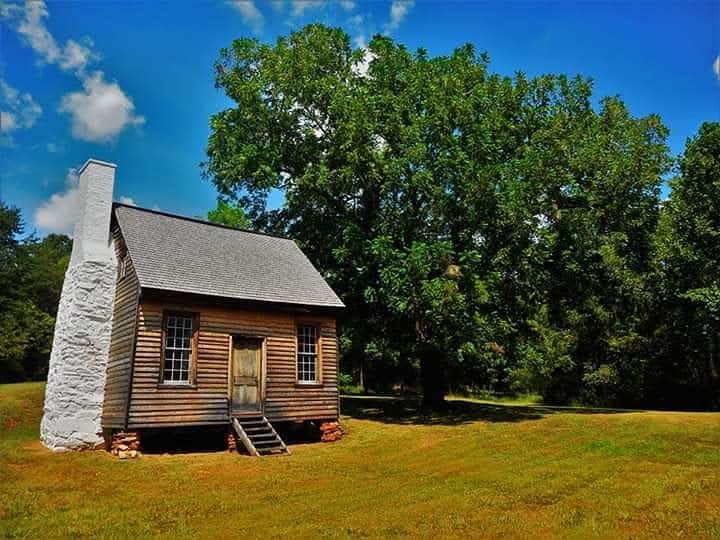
<point>76,376</point>
<point>90,238</point>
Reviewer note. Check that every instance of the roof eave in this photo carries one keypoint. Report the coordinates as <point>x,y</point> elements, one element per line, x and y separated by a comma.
<point>208,297</point>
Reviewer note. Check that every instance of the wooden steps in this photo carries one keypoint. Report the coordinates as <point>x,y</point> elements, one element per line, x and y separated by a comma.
<point>258,436</point>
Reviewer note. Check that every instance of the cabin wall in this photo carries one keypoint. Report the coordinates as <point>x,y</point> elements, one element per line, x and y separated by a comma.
<point>207,402</point>
<point>122,341</point>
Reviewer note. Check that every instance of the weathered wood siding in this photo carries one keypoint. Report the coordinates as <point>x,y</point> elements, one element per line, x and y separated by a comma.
<point>207,402</point>
<point>122,340</point>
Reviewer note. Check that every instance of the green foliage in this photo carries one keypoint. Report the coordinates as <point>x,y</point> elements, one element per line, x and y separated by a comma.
<point>347,386</point>
<point>27,334</point>
<point>230,215</point>
<point>492,231</point>
<point>31,277</point>
<point>686,366</point>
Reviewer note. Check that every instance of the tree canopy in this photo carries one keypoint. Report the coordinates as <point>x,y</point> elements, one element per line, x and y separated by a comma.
<point>686,370</point>
<point>31,277</point>
<point>495,231</point>
<point>228,214</point>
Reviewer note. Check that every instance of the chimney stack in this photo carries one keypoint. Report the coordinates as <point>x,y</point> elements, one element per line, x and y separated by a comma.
<point>90,238</point>
<point>76,375</point>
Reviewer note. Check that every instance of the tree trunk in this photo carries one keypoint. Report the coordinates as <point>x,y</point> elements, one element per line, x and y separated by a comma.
<point>432,377</point>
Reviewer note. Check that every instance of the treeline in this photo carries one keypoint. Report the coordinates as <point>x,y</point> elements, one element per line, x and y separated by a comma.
<point>486,232</point>
<point>31,277</point>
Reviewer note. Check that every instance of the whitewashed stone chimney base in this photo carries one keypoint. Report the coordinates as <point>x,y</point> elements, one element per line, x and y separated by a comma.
<point>76,376</point>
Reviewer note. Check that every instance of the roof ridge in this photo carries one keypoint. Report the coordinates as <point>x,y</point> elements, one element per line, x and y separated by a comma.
<point>197,220</point>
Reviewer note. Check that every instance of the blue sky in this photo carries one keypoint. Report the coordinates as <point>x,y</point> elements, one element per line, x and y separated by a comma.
<point>132,83</point>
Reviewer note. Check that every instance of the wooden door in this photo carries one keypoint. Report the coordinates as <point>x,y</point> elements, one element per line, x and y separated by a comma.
<point>246,374</point>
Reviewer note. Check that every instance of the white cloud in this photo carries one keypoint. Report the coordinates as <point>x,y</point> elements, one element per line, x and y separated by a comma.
<point>355,22</point>
<point>32,28</point>
<point>398,10</point>
<point>29,21</point>
<point>361,68</point>
<point>76,57</point>
<point>9,94</point>
<point>19,110</point>
<point>101,111</point>
<point>250,14</point>
<point>716,67</point>
<point>301,6</point>
<point>127,200</point>
<point>7,122</point>
<point>61,211</point>
<point>277,5</point>
<point>54,148</point>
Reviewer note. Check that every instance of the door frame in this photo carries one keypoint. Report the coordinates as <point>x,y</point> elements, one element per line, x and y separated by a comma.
<point>263,372</point>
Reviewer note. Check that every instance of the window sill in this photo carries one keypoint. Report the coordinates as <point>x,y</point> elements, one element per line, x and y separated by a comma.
<point>166,386</point>
<point>308,385</point>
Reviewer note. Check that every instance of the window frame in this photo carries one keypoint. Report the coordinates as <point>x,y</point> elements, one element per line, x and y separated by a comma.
<point>318,353</point>
<point>192,371</point>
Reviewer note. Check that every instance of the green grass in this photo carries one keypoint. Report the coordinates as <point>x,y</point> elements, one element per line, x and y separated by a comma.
<point>522,399</point>
<point>477,470</point>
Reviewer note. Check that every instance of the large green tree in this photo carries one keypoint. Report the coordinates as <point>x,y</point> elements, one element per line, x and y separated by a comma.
<point>686,371</point>
<point>490,230</point>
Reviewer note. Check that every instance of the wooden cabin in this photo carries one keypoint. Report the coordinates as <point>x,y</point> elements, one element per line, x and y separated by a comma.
<point>217,326</point>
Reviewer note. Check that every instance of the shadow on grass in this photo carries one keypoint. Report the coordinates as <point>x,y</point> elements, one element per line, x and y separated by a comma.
<point>408,410</point>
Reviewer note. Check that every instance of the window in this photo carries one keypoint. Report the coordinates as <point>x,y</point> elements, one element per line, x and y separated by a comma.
<point>307,354</point>
<point>178,348</point>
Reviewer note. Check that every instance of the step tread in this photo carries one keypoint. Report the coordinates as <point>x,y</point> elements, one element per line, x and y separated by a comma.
<point>259,436</point>
<point>272,442</point>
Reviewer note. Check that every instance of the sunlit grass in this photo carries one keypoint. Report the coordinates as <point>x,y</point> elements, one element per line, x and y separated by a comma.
<point>522,399</point>
<point>476,470</point>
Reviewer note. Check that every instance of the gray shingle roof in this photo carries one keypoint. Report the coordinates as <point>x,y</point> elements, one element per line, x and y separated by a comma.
<point>180,254</point>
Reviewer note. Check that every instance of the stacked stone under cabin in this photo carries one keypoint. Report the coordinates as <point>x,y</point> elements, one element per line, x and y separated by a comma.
<point>93,349</point>
<point>125,445</point>
<point>330,431</point>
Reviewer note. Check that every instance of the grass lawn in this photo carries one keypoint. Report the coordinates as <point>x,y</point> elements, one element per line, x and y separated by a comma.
<point>480,470</point>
